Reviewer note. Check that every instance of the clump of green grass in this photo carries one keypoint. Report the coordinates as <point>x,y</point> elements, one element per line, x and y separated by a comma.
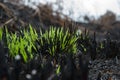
<point>22,45</point>
<point>53,41</point>
<point>56,40</point>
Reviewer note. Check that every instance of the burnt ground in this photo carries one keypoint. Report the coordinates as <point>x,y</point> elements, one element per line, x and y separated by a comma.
<point>16,17</point>
<point>105,69</point>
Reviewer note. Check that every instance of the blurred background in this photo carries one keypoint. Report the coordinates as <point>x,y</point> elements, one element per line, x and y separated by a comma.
<point>77,9</point>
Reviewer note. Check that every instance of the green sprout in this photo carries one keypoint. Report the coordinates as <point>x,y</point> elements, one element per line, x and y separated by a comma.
<point>84,49</point>
<point>101,45</point>
<point>1,33</point>
<point>58,70</point>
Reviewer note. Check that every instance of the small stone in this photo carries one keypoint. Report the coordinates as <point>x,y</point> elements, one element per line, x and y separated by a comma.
<point>28,76</point>
<point>34,72</point>
<point>17,57</point>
